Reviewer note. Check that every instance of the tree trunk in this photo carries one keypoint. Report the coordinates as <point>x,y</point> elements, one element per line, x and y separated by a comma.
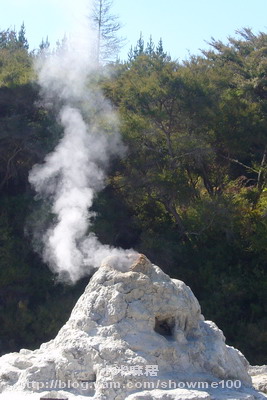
<point>170,207</point>
<point>261,174</point>
<point>206,181</point>
<point>99,26</point>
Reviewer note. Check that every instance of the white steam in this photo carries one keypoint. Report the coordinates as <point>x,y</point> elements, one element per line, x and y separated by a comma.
<point>72,175</point>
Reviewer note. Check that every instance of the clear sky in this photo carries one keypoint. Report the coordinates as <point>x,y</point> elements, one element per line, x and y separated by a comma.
<point>184,25</point>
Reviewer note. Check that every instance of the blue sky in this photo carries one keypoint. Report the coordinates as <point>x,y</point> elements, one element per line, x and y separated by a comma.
<point>184,25</point>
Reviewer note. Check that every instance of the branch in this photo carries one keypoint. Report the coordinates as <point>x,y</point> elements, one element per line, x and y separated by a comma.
<point>239,163</point>
<point>261,174</point>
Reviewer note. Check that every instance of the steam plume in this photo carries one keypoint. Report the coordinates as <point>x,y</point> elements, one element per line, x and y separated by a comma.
<point>72,175</point>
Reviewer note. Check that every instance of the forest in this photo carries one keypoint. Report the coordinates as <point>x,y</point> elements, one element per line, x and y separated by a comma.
<point>190,193</point>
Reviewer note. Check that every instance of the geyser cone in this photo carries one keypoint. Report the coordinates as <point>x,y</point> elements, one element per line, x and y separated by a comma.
<point>137,320</point>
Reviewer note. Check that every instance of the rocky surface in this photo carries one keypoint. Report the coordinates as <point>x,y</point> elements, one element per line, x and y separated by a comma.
<point>259,377</point>
<point>133,335</point>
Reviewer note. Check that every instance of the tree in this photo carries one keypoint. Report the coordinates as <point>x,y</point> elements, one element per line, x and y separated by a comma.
<point>245,59</point>
<point>44,45</point>
<point>8,39</point>
<point>150,49</point>
<point>106,26</point>
<point>196,139</point>
<point>11,40</point>
<point>152,121</point>
<point>22,40</point>
<point>15,60</point>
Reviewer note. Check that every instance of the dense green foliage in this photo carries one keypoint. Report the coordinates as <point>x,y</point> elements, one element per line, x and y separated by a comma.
<point>191,193</point>
<point>194,178</point>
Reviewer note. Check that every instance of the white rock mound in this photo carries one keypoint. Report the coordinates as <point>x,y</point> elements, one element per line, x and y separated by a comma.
<point>259,377</point>
<point>133,335</point>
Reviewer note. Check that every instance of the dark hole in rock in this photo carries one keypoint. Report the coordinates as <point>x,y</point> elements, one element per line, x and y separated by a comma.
<point>89,378</point>
<point>164,326</point>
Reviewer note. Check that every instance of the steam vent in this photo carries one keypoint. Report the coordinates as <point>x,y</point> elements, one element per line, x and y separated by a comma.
<point>132,335</point>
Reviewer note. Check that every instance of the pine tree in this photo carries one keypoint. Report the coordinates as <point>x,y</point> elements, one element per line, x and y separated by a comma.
<point>159,49</point>
<point>140,47</point>
<point>150,47</point>
<point>131,54</point>
<point>106,25</point>
<point>44,45</point>
<point>23,42</point>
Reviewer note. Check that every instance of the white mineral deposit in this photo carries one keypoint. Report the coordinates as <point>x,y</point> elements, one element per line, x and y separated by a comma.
<point>135,335</point>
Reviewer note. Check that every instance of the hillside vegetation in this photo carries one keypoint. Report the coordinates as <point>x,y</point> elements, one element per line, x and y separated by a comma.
<point>191,193</point>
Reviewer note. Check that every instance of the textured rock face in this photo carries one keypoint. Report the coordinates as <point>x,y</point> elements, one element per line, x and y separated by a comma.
<point>259,377</point>
<point>129,332</point>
